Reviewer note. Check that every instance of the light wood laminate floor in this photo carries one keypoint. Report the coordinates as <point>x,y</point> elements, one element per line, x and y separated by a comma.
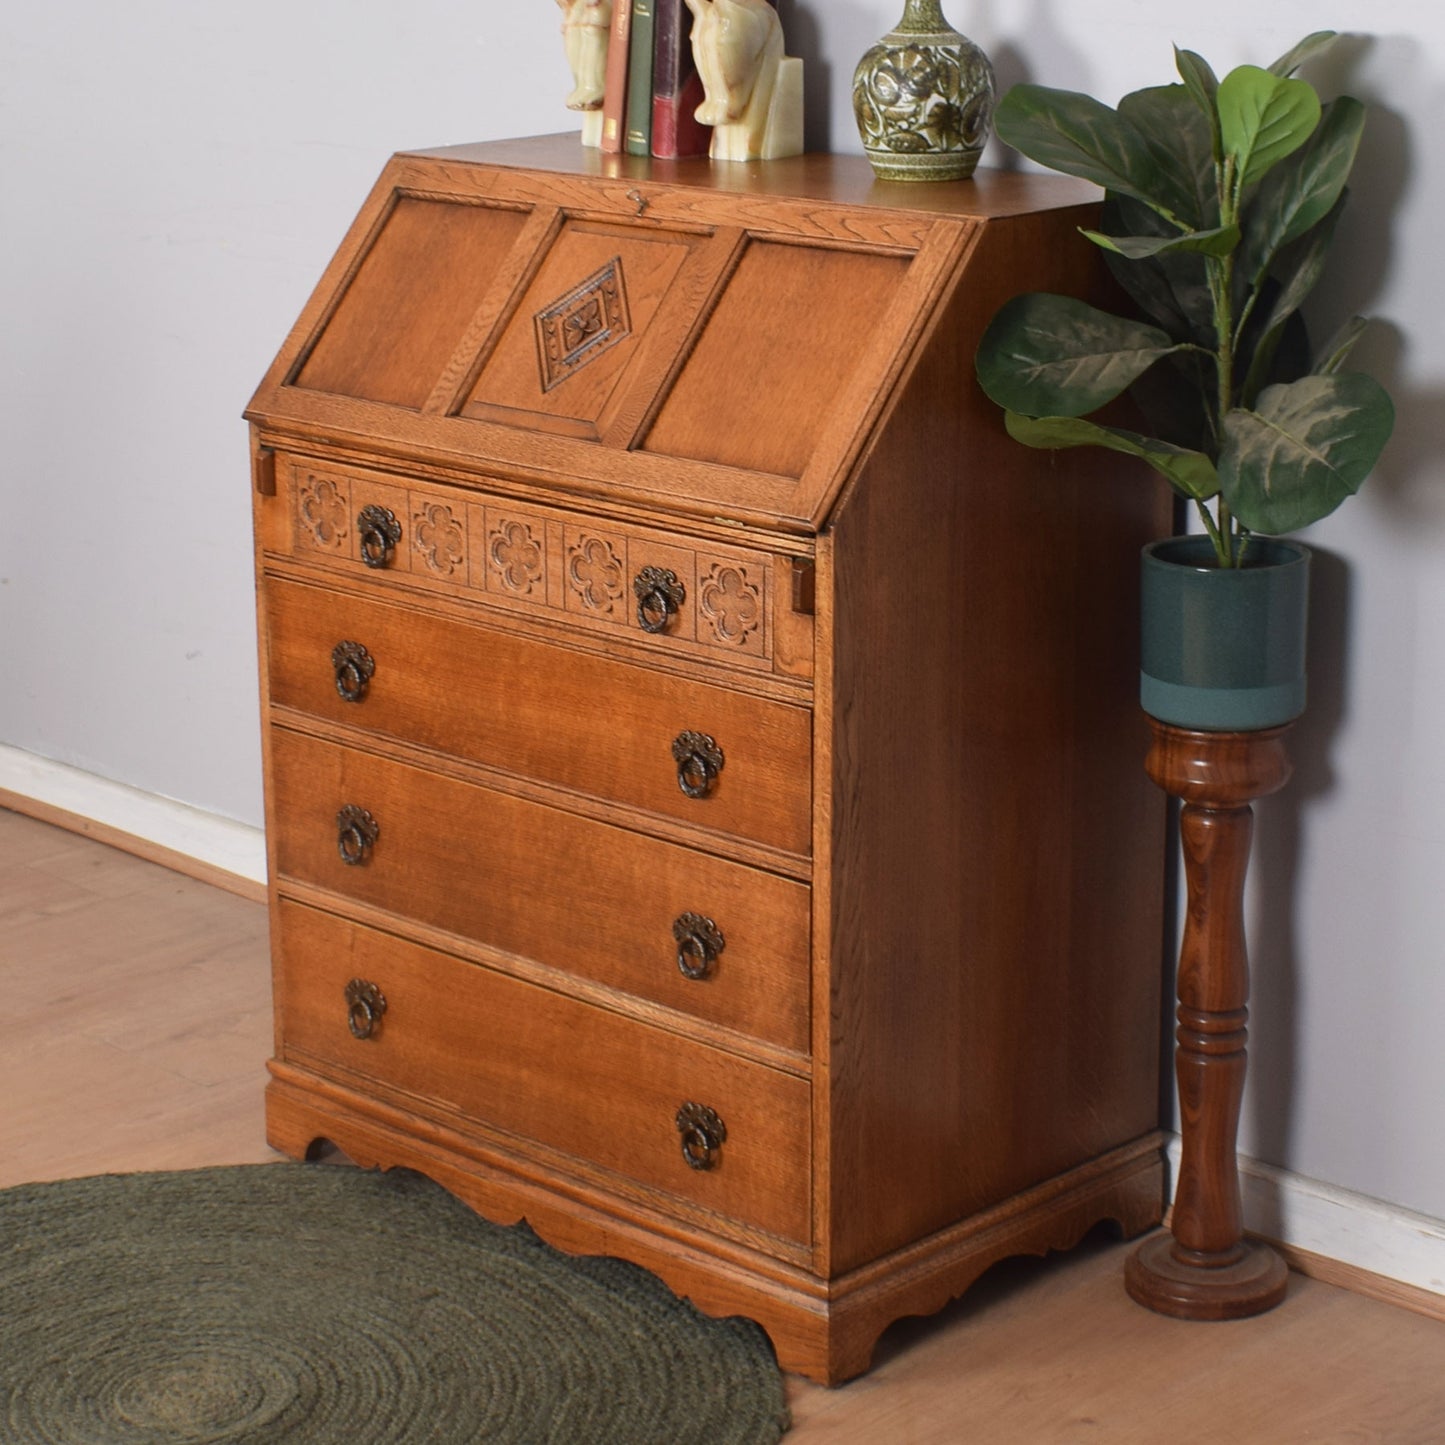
<point>135,1033</point>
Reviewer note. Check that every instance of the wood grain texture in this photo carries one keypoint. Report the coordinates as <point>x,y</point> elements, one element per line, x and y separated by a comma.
<point>856,203</point>
<point>612,918</point>
<point>642,269</point>
<point>486,1046</point>
<point>478,546</point>
<point>401,317</point>
<point>833,205</point>
<point>1208,1270</point>
<point>973,1026</point>
<point>1002,849</point>
<point>577,721</point>
<point>785,337</point>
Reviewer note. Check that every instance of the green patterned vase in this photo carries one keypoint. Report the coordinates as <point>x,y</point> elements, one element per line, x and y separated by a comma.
<point>923,97</point>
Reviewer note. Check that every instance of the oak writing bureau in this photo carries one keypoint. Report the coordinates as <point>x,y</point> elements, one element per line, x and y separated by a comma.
<point>704,795</point>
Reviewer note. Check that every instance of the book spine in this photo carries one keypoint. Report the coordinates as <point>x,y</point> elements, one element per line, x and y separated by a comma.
<point>677,90</point>
<point>614,101</point>
<point>639,79</point>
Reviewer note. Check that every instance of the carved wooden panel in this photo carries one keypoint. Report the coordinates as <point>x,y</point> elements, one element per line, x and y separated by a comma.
<point>583,325</point>
<point>731,606</point>
<point>596,573</point>
<point>542,559</point>
<point>323,512</point>
<point>580,324</point>
<point>516,559</point>
<point>439,537</point>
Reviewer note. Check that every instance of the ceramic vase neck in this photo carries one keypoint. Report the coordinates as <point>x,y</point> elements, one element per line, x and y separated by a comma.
<point>924,15</point>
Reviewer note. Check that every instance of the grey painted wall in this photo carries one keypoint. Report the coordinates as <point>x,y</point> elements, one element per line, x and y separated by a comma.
<point>176,176</point>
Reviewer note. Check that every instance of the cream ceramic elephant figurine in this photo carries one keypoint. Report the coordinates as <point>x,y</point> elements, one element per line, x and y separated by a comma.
<point>754,93</point>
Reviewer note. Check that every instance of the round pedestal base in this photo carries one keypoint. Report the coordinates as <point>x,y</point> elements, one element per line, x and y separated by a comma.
<point>1160,1282</point>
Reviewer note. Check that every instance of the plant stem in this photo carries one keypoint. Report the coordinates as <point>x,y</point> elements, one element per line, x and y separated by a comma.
<point>1220,550</point>
<point>1221,288</point>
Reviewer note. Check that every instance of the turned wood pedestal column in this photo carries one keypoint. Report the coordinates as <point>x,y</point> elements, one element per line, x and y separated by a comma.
<point>1205,1269</point>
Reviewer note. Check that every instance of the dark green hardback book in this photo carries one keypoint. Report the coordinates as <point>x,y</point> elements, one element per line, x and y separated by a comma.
<point>639,79</point>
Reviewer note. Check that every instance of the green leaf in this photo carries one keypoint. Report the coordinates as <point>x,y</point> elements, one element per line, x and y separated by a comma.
<point>1298,194</point>
<point>1299,267</point>
<point>1202,84</point>
<point>1296,55</point>
<point>1046,355</point>
<point>1218,242</point>
<point>1172,288</point>
<point>1263,118</point>
<point>1080,136</point>
<point>1333,353</point>
<point>1304,448</point>
<point>1177,400</point>
<point>1190,473</point>
<point>1179,139</point>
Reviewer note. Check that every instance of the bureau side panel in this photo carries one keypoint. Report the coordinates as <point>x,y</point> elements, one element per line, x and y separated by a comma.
<point>993,959</point>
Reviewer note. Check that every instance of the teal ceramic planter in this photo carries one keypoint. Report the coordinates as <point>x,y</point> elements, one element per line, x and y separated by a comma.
<point>1223,649</point>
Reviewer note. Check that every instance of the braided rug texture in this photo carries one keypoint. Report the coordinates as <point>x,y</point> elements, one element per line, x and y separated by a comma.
<point>321,1305</point>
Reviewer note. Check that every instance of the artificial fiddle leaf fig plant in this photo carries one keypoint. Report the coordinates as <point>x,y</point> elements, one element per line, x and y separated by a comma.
<point>1222,197</point>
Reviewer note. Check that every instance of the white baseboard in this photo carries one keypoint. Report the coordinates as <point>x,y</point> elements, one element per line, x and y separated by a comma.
<point>221,843</point>
<point>1354,1229</point>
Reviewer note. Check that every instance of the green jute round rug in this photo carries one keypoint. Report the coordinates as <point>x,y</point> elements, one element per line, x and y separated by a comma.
<point>320,1305</point>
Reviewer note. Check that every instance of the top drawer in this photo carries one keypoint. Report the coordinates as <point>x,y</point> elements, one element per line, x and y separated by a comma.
<point>723,760</point>
<point>674,594</point>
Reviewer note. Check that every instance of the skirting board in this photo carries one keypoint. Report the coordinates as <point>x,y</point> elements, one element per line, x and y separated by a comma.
<point>203,845</point>
<point>1338,1236</point>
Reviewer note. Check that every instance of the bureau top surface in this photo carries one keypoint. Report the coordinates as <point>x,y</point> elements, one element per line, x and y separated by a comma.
<point>683,337</point>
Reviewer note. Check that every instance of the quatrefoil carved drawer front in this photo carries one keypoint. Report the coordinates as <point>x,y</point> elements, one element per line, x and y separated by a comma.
<point>517,555</point>
<point>530,558</point>
<point>323,510</point>
<point>731,604</point>
<point>596,577</point>
<point>439,536</point>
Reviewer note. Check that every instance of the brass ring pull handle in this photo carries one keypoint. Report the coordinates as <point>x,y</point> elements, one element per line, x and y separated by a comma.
<point>378,532</point>
<point>699,760</point>
<point>365,1004</point>
<point>699,941</point>
<point>703,1135</point>
<point>354,669</point>
<point>356,832</point>
<point>659,598</point>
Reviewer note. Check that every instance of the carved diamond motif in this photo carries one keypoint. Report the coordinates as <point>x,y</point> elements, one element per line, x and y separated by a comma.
<point>732,605</point>
<point>438,536</point>
<point>517,556</point>
<point>589,320</point>
<point>323,512</point>
<point>596,573</point>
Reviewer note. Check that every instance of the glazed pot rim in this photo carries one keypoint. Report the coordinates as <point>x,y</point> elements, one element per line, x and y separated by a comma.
<point>1196,554</point>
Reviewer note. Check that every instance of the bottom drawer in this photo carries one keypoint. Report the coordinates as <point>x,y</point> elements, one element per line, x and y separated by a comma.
<point>546,1067</point>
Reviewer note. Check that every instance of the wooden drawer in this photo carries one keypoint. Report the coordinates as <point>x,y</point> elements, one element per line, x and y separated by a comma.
<point>594,726</point>
<point>545,1067</point>
<point>548,885</point>
<point>728,604</point>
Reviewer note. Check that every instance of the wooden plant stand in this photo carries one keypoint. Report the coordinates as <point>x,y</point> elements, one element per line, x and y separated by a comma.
<point>1205,1269</point>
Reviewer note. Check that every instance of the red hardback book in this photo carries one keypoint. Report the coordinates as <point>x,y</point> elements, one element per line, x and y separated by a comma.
<point>676,87</point>
<point>614,100</point>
